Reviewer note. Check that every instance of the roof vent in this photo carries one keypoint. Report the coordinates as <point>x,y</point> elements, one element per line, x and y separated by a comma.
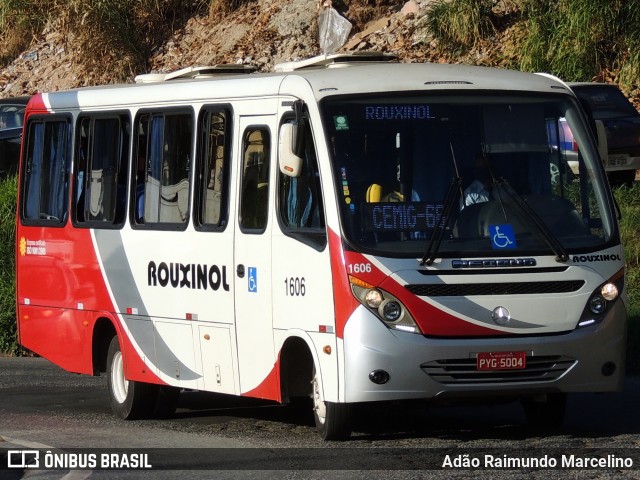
<point>195,72</point>
<point>336,60</point>
<point>448,82</point>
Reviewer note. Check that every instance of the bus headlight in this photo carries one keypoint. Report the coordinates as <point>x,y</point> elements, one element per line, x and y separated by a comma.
<point>609,292</point>
<point>601,300</point>
<point>383,305</point>
<point>373,298</point>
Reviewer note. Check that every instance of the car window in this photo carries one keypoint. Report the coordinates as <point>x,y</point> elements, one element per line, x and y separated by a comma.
<point>11,116</point>
<point>606,101</point>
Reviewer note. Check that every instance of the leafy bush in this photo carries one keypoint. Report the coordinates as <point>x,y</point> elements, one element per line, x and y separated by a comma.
<point>120,34</point>
<point>573,39</point>
<point>460,24</point>
<point>576,40</point>
<point>629,201</point>
<point>629,54</point>
<point>113,35</point>
<point>8,339</point>
<point>18,20</point>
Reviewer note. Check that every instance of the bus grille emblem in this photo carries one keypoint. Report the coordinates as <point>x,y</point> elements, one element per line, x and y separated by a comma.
<point>500,315</point>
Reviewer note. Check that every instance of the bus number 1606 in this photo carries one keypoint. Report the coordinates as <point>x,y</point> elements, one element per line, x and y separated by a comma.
<point>359,268</point>
<point>294,287</point>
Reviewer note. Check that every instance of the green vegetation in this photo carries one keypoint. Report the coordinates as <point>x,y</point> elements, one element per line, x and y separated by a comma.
<point>629,202</point>
<point>8,340</point>
<point>461,24</point>
<point>116,35</point>
<point>18,20</point>
<point>576,40</point>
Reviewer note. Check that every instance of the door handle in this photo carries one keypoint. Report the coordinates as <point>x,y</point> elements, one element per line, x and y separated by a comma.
<point>240,270</point>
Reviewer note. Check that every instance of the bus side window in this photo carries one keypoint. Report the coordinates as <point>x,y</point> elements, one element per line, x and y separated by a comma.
<point>161,193</point>
<point>300,207</point>
<point>45,187</point>
<point>213,169</point>
<point>254,204</point>
<point>100,179</point>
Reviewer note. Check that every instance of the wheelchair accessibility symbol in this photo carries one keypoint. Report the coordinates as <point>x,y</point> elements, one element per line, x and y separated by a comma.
<point>253,279</point>
<point>502,237</point>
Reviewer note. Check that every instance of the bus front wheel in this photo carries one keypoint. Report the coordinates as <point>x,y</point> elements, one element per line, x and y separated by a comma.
<point>333,420</point>
<point>129,400</point>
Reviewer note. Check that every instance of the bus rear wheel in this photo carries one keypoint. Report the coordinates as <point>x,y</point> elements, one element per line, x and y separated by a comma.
<point>333,420</point>
<point>129,400</point>
<point>166,401</point>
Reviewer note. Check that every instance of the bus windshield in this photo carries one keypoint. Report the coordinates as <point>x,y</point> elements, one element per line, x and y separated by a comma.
<point>481,173</point>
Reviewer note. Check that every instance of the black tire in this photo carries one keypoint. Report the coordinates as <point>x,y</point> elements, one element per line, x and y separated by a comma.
<point>547,414</point>
<point>129,400</point>
<point>333,420</point>
<point>166,401</point>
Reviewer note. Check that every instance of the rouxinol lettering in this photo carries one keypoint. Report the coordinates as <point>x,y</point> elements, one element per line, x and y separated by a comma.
<point>596,258</point>
<point>398,112</point>
<point>191,275</point>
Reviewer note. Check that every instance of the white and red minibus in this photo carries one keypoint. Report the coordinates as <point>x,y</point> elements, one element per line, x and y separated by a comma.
<point>345,229</point>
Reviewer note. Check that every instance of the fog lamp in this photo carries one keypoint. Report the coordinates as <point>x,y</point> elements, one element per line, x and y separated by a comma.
<point>379,377</point>
<point>373,298</point>
<point>608,369</point>
<point>609,291</point>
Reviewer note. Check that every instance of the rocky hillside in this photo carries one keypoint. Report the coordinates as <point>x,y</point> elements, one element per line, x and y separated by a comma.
<point>261,33</point>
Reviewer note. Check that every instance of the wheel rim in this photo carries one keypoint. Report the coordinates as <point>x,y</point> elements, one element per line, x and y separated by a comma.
<point>119,384</point>
<point>318,402</point>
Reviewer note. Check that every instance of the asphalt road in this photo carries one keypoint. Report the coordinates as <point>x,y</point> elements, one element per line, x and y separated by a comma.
<point>43,408</point>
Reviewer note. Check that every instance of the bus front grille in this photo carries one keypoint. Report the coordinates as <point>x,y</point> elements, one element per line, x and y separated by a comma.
<point>464,371</point>
<point>511,288</point>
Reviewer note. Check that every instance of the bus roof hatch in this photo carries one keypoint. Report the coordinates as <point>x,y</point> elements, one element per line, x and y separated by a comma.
<point>195,72</point>
<point>336,60</point>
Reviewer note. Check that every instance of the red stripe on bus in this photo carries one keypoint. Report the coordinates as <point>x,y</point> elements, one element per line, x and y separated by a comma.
<point>269,389</point>
<point>343,300</point>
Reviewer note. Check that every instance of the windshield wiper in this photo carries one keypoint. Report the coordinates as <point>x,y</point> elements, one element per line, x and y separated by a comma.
<point>438,233</point>
<point>533,219</point>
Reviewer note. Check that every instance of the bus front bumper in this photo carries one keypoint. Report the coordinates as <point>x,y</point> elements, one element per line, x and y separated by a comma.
<point>589,359</point>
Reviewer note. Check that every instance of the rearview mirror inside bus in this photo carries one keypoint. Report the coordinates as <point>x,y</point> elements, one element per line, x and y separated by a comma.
<point>290,163</point>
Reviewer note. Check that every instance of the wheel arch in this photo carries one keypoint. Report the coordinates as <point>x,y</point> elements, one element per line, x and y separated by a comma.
<point>103,331</point>
<point>296,368</point>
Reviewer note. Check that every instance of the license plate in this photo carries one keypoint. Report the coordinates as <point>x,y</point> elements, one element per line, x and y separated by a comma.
<point>501,360</point>
<point>619,159</point>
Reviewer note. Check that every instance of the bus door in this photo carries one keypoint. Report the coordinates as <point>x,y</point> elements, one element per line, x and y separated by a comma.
<point>254,329</point>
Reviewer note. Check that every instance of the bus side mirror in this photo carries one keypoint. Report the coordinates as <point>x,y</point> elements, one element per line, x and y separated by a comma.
<point>290,163</point>
<point>601,137</point>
